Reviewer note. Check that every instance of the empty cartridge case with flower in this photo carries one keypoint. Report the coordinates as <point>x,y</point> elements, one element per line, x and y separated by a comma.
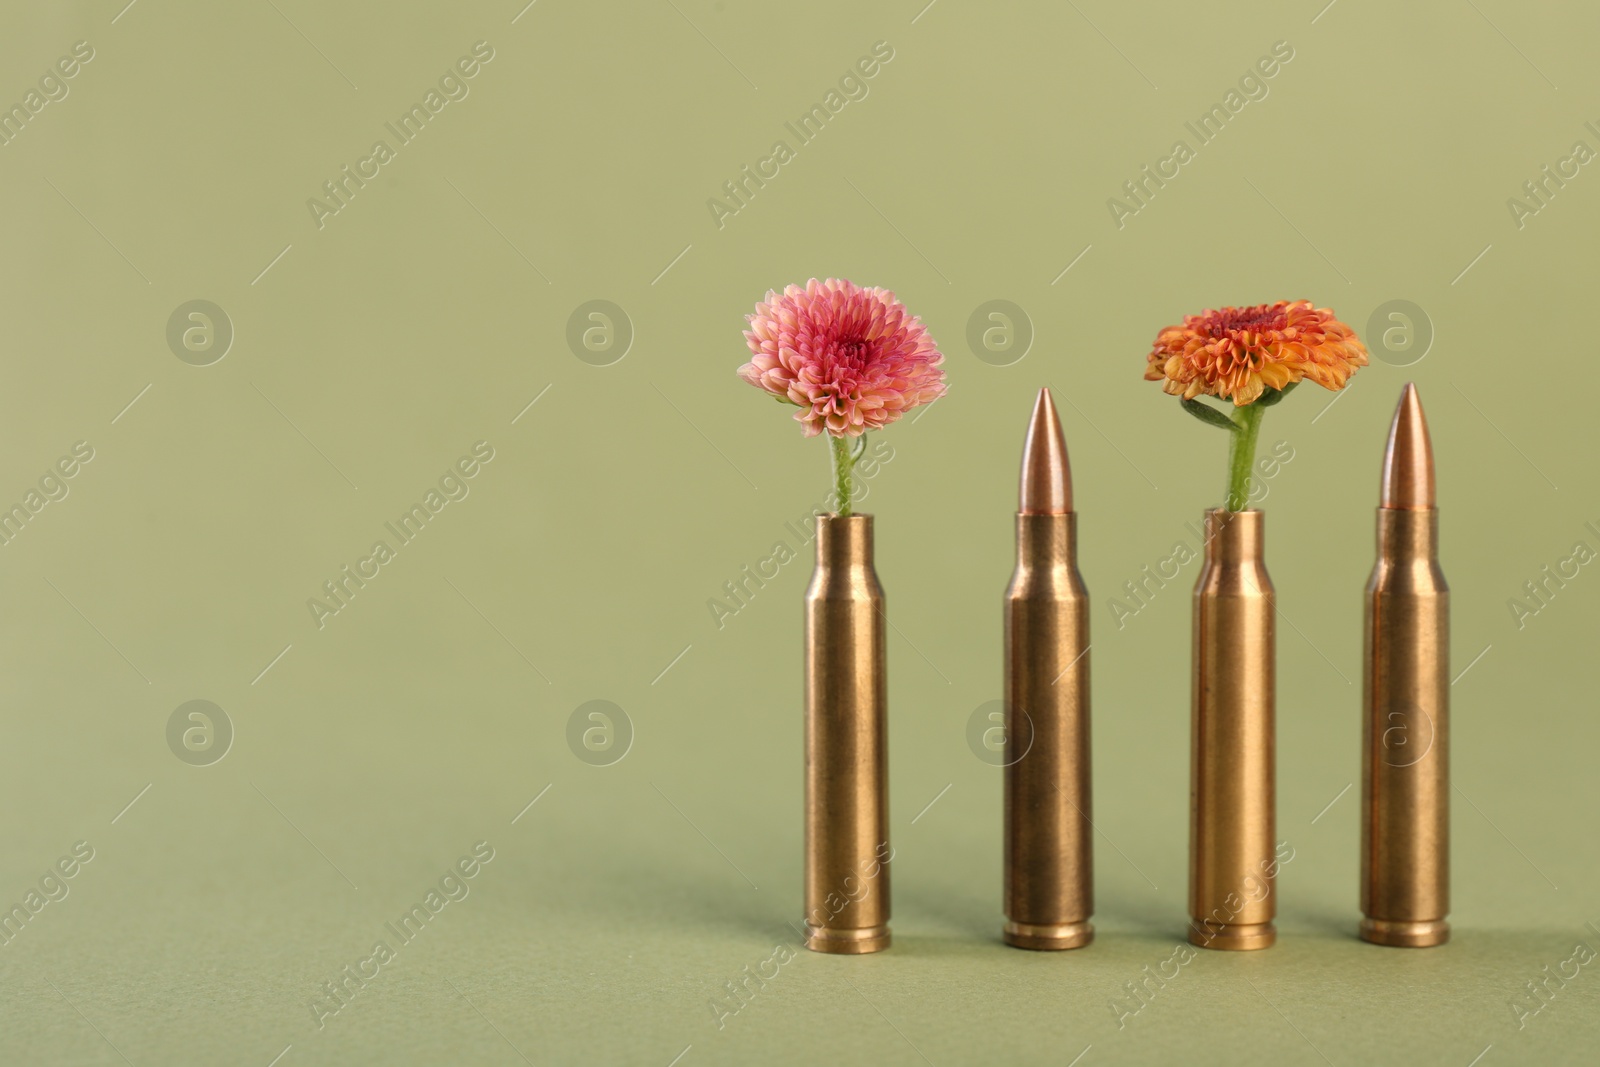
<point>847,765</point>
<point>1233,744</point>
<point>1049,854</point>
<point>1405,752</point>
<point>1248,358</point>
<point>851,360</point>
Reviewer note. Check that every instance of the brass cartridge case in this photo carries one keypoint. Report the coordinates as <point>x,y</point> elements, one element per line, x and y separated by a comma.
<point>1049,846</point>
<point>1232,778</point>
<point>1405,751</point>
<point>846,797</point>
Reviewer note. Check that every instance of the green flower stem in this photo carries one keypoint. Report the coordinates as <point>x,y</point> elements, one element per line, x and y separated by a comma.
<point>843,465</point>
<point>1244,426</point>
<point>1242,454</point>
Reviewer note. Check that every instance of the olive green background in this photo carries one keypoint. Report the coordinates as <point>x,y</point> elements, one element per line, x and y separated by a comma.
<point>375,751</point>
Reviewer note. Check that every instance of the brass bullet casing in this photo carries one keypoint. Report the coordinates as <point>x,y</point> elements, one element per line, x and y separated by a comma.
<point>1232,775</point>
<point>847,769</point>
<point>1049,854</point>
<point>1405,753</point>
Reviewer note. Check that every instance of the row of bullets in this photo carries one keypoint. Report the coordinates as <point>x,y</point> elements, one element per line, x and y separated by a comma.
<point>1048,827</point>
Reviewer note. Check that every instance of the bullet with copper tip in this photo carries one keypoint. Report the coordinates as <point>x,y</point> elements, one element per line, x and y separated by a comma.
<point>1405,785</point>
<point>1408,457</point>
<point>1049,870</point>
<point>1046,476</point>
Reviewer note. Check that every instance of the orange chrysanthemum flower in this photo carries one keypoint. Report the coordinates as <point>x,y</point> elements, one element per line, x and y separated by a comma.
<point>1238,353</point>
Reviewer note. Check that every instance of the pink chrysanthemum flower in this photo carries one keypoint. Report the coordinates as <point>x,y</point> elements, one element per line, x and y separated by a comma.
<point>851,359</point>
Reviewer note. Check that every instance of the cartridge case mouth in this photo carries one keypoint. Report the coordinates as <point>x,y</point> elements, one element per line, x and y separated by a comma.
<point>1232,937</point>
<point>1405,933</point>
<point>1235,536</point>
<point>844,541</point>
<point>847,942</point>
<point>1049,936</point>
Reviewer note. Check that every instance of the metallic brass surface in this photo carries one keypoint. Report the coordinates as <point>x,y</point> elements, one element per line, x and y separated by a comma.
<point>1402,934</point>
<point>1232,777</point>
<point>847,826</point>
<point>1049,854</point>
<point>1049,848</point>
<point>1046,483</point>
<point>1408,480</point>
<point>1405,752</point>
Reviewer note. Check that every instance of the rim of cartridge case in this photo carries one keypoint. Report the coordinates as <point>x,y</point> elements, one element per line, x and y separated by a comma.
<point>1232,937</point>
<point>849,942</point>
<point>1235,535</point>
<point>1404,933</point>
<point>1048,936</point>
<point>846,541</point>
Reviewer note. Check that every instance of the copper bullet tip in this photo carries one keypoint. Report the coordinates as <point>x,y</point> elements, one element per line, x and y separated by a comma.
<point>1408,457</point>
<point>1046,487</point>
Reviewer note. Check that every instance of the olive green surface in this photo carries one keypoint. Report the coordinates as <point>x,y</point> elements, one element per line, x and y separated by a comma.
<point>372,348</point>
